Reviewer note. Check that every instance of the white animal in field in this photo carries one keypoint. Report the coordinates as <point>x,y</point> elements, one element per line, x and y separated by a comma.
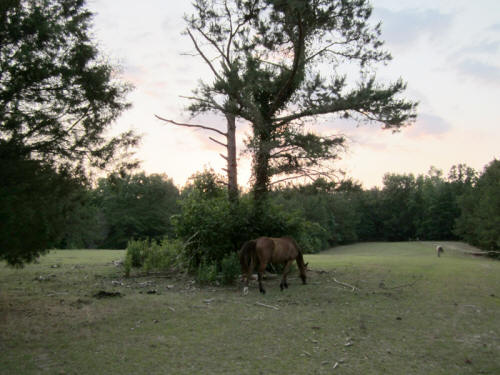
<point>439,250</point>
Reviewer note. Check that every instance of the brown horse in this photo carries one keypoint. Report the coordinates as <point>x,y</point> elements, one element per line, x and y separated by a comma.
<point>266,250</point>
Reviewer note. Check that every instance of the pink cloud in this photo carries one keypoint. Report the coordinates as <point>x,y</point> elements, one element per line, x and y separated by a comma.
<point>428,125</point>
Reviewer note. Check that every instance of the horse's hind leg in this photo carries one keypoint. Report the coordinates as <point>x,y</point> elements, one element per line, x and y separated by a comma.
<point>286,270</point>
<point>248,276</point>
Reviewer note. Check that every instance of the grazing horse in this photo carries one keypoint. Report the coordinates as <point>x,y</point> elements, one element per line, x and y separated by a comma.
<point>266,250</point>
<point>439,250</point>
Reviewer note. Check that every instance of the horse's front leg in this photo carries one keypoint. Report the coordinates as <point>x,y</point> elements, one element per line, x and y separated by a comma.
<point>262,268</point>
<point>286,270</point>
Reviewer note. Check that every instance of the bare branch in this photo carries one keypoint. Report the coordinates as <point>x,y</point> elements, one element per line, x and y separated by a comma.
<point>268,306</point>
<point>353,288</point>
<point>309,173</point>
<point>218,142</point>
<point>232,32</point>
<point>211,103</point>
<point>203,55</point>
<point>228,46</point>
<point>327,49</point>
<point>190,54</point>
<point>213,43</point>
<point>191,125</point>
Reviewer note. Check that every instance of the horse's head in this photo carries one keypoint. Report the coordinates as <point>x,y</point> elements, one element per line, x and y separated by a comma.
<point>303,271</point>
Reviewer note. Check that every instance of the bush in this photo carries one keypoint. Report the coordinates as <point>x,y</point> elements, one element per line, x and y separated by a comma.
<point>163,256</point>
<point>206,273</point>
<point>153,256</point>
<point>135,255</point>
<point>230,268</point>
<point>136,251</point>
<point>214,227</point>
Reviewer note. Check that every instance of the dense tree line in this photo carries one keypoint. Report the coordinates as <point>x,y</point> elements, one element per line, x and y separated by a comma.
<point>463,205</point>
<point>123,207</point>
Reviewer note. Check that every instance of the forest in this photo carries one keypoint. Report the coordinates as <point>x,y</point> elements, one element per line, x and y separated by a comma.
<point>462,205</point>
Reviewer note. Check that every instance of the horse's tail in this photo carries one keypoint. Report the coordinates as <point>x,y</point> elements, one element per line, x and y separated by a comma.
<point>247,256</point>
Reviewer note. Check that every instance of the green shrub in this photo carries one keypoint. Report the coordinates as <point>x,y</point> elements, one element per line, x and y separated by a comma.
<point>214,226</point>
<point>311,237</point>
<point>230,268</point>
<point>153,256</point>
<point>206,273</point>
<point>163,256</point>
<point>136,251</point>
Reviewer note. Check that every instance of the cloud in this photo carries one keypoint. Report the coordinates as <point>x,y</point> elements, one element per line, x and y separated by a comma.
<point>476,61</point>
<point>485,47</point>
<point>402,28</point>
<point>483,71</point>
<point>428,125</point>
<point>495,27</point>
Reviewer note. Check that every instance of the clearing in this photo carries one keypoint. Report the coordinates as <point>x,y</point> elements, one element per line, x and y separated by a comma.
<point>371,308</point>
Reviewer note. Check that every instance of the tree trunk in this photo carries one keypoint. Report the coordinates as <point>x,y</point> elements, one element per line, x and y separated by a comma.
<point>261,165</point>
<point>232,172</point>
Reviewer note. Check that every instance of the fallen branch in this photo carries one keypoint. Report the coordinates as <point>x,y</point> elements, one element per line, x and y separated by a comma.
<point>268,306</point>
<point>346,285</point>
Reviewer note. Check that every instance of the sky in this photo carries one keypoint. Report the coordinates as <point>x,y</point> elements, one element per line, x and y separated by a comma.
<point>448,52</point>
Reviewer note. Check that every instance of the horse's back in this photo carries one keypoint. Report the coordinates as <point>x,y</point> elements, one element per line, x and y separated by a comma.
<point>278,250</point>
<point>264,243</point>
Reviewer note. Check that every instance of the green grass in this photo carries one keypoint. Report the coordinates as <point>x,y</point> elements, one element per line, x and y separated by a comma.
<point>409,313</point>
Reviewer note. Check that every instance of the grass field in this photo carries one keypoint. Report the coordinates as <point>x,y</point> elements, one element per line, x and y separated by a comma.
<point>374,308</point>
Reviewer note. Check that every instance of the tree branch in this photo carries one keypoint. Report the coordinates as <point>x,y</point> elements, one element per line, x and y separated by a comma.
<point>305,173</point>
<point>209,103</point>
<point>286,89</point>
<point>209,63</point>
<point>216,46</point>
<point>191,125</point>
<point>218,142</point>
